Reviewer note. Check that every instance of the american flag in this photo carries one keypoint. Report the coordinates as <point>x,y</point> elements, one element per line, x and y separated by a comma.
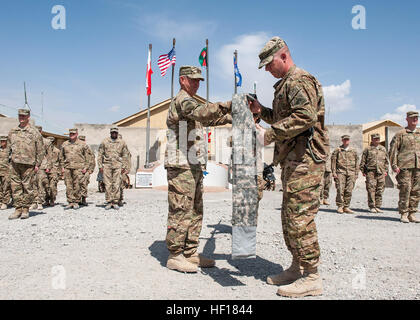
<point>166,60</point>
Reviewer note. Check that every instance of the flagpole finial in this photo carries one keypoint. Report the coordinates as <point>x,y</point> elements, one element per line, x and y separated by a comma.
<point>207,41</point>
<point>150,46</point>
<point>173,42</point>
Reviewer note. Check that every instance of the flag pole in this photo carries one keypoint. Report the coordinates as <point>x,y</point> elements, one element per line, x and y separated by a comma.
<point>207,96</point>
<point>235,60</point>
<point>255,87</point>
<point>148,115</point>
<point>173,71</point>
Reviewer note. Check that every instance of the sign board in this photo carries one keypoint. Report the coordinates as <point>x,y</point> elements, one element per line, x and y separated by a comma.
<point>144,179</point>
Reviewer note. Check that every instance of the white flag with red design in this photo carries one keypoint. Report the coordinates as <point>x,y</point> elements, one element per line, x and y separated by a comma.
<point>149,75</point>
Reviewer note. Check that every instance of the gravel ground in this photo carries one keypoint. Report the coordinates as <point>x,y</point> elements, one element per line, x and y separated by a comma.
<point>91,253</point>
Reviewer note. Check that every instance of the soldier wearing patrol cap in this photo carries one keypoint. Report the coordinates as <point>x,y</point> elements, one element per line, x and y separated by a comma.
<point>404,155</point>
<point>27,152</point>
<point>345,170</point>
<point>112,163</point>
<point>86,177</point>
<point>74,163</point>
<point>4,173</point>
<point>40,179</point>
<point>302,146</point>
<point>52,171</point>
<point>374,166</point>
<point>185,160</point>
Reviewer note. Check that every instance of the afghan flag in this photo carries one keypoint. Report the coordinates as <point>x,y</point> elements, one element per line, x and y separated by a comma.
<point>149,75</point>
<point>203,57</point>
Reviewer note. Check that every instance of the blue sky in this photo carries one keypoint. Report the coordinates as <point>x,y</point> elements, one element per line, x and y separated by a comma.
<point>94,70</point>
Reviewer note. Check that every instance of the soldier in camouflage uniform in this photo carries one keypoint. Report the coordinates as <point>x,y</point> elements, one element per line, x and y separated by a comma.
<point>124,178</point>
<point>374,166</point>
<point>302,147</point>
<point>74,163</point>
<point>112,162</point>
<point>345,169</point>
<point>326,183</point>
<point>404,155</point>
<point>52,171</point>
<point>27,151</point>
<point>4,173</point>
<point>185,160</point>
<point>86,177</point>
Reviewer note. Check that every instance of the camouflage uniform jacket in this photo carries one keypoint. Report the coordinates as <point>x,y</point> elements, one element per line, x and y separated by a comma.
<point>54,156</point>
<point>345,162</point>
<point>74,155</point>
<point>113,154</point>
<point>298,107</point>
<point>46,143</point>
<point>186,118</point>
<point>92,162</point>
<point>4,161</point>
<point>374,159</point>
<point>404,152</point>
<point>26,146</point>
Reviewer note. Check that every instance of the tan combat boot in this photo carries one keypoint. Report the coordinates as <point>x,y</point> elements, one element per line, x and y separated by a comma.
<point>378,210</point>
<point>310,284</point>
<point>373,210</point>
<point>340,210</point>
<point>404,218</point>
<point>33,206</point>
<point>289,275</point>
<point>3,206</point>
<point>16,214</point>
<point>84,202</point>
<point>69,206</point>
<point>25,213</point>
<point>200,260</point>
<point>180,263</point>
<point>39,206</point>
<point>412,218</point>
<point>75,206</point>
<point>108,206</point>
<point>116,206</point>
<point>326,202</point>
<point>348,210</point>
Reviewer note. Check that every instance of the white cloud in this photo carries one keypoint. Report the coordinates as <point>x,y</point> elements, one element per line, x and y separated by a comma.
<point>400,113</point>
<point>164,26</point>
<point>248,46</point>
<point>114,109</point>
<point>337,97</point>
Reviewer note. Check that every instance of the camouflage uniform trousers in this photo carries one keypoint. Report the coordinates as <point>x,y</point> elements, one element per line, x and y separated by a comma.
<point>124,180</point>
<point>73,179</point>
<point>5,189</point>
<point>375,186</point>
<point>326,185</point>
<point>43,185</point>
<point>409,186</point>
<point>185,216</point>
<point>52,186</point>
<point>344,185</point>
<point>85,184</point>
<point>21,182</point>
<point>112,181</point>
<point>302,184</point>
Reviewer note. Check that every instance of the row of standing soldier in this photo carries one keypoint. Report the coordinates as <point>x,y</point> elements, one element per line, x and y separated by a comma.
<point>31,166</point>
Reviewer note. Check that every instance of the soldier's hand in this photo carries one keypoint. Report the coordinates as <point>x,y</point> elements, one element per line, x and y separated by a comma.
<point>101,170</point>
<point>364,174</point>
<point>397,170</point>
<point>255,106</point>
<point>62,170</point>
<point>36,169</point>
<point>386,173</point>
<point>335,176</point>
<point>47,170</point>
<point>123,171</point>
<point>84,171</point>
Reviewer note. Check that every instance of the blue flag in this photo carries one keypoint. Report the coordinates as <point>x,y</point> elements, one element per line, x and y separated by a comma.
<point>237,73</point>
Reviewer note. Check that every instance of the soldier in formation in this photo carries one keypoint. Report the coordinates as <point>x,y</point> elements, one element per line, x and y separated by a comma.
<point>125,180</point>
<point>74,163</point>
<point>4,173</point>
<point>27,152</point>
<point>374,166</point>
<point>113,157</point>
<point>86,176</point>
<point>345,169</point>
<point>404,155</point>
<point>326,183</point>
<point>301,137</point>
<point>185,160</point>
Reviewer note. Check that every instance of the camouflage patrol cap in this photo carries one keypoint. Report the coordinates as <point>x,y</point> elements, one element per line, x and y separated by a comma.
<point>412,114</point>
<point>3,138</point>
<point>346,136</point>
<point>39,128</point>
<point>83,138</point>
<point>271,47</point>
<point>376,136</point>
<point>24,112</point>
<point>74,130</point>
<point>191,72</point>
<point>114,129</point>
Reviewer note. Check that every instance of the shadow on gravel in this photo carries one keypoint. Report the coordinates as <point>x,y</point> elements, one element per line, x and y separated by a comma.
<point>378,218</point>
<point>258,268</point>
<point>159,251</point>
<point>390,209</point>
<point>35,213</point>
